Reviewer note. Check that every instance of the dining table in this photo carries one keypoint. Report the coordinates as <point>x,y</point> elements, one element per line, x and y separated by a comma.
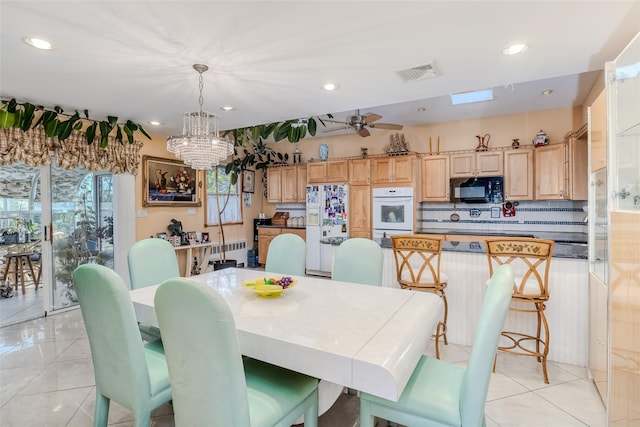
<point>363,337</point>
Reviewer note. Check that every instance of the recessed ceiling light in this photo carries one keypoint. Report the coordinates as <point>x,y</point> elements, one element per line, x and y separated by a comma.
<point>421,109</point>
<point>330,87</point>
<point>514,49</point>
<point>38,43</point>
<point>547,92</point>
<point>472,96</point>
<point>155,123</point>
<point>227,108</point>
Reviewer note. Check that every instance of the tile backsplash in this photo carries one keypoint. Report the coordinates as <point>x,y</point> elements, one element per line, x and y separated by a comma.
<point>555,216</point>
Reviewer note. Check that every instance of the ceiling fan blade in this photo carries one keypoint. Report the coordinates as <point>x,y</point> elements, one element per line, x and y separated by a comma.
<point>363,132</point>
<point>334,121</point>
<point>386,126</point>
<point>370,118</point>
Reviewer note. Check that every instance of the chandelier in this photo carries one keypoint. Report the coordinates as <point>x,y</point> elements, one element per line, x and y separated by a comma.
<point>200,146</point>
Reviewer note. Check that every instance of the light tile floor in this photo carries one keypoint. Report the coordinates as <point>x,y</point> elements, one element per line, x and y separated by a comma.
<point>46,379</point>
<point>22,307</point>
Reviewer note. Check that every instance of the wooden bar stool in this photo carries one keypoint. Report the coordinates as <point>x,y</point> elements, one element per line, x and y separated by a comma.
<point>418,268</point>
<point>530,259</point>
<point>15,264</point>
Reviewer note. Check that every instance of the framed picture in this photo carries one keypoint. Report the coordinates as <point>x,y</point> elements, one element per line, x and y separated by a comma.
<point>205,237</point>
<point>248,181</point>
<point>162,236</point>
<point>167,182</point>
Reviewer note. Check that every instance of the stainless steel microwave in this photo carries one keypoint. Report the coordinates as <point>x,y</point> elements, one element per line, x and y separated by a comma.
<point>486,189</point>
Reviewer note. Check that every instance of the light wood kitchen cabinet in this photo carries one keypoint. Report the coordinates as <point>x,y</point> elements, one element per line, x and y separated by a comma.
<point>598,132</point>
<point>286,184</point>
<point>302,184</point>
<point>360,211</point>
<point>360,172</point>
<point>267,234</point>
<point>289,183</point>
<point>561,170</point>
<point>481,163</point>
<point>331,171</point>
<point>274,185</point>
<point>392,170</point>
<point>518,174</point>
<point>435,179</point>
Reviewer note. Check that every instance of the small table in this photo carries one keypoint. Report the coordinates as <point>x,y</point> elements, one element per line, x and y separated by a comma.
<point>203,260</point>
<point>20,260</point>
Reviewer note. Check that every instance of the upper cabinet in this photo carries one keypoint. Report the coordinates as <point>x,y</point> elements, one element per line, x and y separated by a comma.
<point>598,132</point>
<point>392,170</point>
<point>481,163</point>
<point>330,171</point>
<point>518,174</point>
<point>561,170</point>
<point>286,184</point>
<point>435,179</point>
<point>360,172</point>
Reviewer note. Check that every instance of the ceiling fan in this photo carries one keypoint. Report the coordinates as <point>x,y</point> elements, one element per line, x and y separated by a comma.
<point>360,123</point>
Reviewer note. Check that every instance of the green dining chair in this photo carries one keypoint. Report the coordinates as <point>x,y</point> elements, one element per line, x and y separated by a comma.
<point>442,394</point>
<point>358,260</point>
<point>287,255</point>
<point>151,261</point>
<point>131,373</point>
<point>210,385</point>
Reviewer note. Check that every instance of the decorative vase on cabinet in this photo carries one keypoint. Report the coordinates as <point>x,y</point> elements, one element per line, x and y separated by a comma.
<point>324,152</point>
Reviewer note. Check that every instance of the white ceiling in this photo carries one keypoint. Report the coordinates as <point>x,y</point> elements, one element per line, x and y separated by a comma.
<point>269,59</point>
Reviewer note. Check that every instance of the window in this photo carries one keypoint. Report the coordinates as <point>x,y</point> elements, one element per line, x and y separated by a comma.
<point>218,183</point>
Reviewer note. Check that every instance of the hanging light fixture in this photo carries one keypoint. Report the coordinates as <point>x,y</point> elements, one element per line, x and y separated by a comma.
<point>200,146</point>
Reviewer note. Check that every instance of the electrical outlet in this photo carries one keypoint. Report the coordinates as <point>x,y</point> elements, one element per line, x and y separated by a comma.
<point>141,213</point>
<point>191,211</point>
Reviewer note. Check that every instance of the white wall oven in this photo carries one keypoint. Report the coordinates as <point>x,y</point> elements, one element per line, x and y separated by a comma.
<point>392,211</point>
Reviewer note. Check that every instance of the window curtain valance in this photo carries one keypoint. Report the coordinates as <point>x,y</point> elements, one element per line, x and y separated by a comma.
<point>33,146</point>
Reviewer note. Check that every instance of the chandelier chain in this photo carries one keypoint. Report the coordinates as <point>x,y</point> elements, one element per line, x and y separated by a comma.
<point>201,85</point>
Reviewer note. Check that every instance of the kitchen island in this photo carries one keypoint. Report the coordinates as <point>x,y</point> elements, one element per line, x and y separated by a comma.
<point>465,263</point>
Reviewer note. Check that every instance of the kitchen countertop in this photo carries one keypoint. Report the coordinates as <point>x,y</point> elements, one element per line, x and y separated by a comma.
<point>565,246</point>
<point>301,227</point>
<point>558,237</point>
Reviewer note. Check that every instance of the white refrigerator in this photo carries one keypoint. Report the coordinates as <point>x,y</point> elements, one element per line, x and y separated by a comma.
<point>327,218</point>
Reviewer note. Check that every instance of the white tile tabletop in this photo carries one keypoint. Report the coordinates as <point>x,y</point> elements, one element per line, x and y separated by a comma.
<point>368,338</point>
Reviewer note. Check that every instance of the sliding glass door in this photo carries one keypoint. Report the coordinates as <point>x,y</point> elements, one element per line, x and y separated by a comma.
<point>81,228</point>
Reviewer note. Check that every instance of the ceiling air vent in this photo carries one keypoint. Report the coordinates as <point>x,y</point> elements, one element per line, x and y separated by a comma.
<point>420,72</point>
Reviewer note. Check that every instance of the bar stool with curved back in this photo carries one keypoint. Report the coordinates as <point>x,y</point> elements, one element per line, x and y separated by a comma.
<point>287,255</point>
<point>531,259</point>
<point>210,385</point>
<point>126,371</point>
<point>151,262</point>
<point>444,394</point>
<point>418,268</point>
<point>358,260</point>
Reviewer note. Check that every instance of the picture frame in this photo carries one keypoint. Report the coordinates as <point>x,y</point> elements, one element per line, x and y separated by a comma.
<point>205,237</point>
<point>167,182</point>
<point>192,237</point>
<point>162,236</point>
<point>248,181</point>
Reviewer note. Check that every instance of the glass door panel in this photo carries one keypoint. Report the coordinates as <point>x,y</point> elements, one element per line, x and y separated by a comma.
<point>82,228</point>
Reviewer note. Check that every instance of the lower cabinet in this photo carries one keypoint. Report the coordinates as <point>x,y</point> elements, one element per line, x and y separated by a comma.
<point>266,235</point>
